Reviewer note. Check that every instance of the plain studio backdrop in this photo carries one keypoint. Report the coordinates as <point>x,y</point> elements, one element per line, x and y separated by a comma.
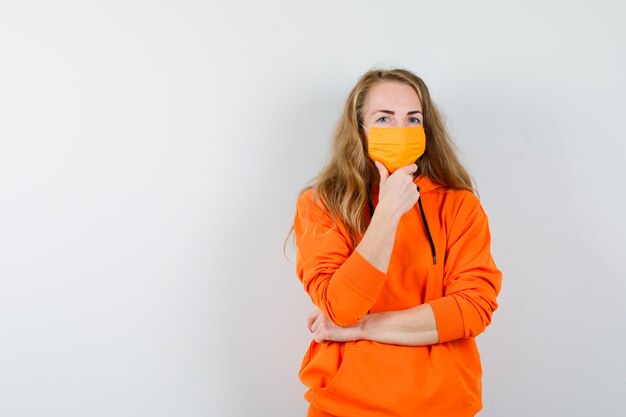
<point>151,154</point>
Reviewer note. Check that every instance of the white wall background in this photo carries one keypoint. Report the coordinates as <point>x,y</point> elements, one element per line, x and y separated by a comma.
<point>150,158</point>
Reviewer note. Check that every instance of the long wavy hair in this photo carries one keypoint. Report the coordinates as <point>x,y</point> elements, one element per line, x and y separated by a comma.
<point>342,186</point>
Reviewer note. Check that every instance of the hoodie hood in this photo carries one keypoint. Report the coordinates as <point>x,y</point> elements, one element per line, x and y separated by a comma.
<point>426,184</point>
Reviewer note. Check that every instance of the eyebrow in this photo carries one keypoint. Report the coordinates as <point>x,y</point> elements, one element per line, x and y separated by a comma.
<point>393,113</point>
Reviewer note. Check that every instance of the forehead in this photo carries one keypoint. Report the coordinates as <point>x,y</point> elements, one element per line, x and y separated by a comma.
<point>389,95</point>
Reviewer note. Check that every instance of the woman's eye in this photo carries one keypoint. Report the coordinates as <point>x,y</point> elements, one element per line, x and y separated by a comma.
<point>414,120</point>
<point>380,119</point>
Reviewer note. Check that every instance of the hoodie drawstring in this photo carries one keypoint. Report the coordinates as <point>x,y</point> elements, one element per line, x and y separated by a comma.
<point>419,201</point>
<point>430,238</point>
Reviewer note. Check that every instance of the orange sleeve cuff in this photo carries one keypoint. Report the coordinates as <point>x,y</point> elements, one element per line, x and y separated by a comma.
<point>364,276</point>
<point>448,317</point>
<point>357,284</point>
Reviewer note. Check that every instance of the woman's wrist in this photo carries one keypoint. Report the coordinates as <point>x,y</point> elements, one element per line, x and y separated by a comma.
<point>364,327</point>
<point>386,214</point>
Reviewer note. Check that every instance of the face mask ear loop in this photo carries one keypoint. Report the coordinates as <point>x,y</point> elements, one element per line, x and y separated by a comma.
<point>430,238</point>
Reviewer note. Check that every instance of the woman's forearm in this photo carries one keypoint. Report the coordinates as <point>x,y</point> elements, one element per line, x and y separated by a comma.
<point>414,326</point>
<point>378,240</point>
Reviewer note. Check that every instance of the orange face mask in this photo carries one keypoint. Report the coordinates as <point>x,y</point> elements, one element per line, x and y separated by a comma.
<point>396,146</point>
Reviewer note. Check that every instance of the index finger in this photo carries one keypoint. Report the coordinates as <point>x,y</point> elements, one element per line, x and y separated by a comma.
<point>408,169</point>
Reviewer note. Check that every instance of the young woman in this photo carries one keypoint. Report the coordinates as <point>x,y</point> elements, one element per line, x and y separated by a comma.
<point>393,247</point>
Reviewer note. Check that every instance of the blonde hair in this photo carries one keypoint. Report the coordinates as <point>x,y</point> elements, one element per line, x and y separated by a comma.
<point>342,186</point>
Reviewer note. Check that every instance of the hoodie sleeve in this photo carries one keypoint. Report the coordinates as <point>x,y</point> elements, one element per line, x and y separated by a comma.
<point>338,279</point>
<point>471,279</point>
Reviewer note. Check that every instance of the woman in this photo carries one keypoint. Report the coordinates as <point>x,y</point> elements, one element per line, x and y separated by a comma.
<point>393,247</point>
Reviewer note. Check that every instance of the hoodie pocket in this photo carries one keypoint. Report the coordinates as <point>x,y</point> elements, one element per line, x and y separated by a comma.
<point>343,376</point>
<point>321,363</point>
<point>390,379</point>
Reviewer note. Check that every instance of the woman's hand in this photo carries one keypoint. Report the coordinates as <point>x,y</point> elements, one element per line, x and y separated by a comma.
<point>324,329</point>
<point>397,192</point>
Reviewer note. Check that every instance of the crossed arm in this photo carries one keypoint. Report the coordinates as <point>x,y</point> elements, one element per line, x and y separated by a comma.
<point>411,327</point>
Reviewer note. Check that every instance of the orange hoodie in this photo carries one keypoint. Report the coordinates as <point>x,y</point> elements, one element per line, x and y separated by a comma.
<point>365,378</point>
